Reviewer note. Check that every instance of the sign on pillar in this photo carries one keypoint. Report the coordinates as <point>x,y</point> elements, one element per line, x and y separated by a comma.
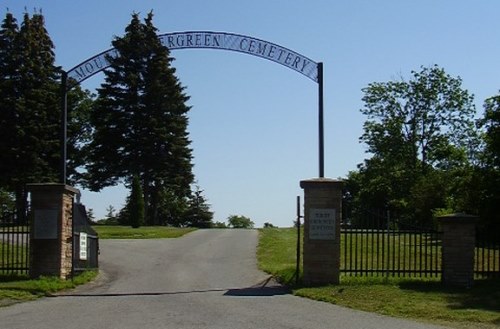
<point>52,229</point>
<point>322,213</point>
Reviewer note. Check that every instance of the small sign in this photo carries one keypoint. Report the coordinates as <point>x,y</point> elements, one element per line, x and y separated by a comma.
<point>83,246</point>
<point>46,223</point>
<point>322,224</point>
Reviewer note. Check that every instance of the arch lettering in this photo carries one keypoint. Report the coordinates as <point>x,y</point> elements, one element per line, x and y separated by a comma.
<point>208,40</point>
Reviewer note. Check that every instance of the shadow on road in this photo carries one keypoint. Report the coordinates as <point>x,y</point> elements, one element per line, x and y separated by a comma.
<point>267,288</point>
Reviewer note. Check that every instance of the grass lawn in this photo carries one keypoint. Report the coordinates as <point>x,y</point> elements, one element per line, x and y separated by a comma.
<point>144,232</point>
<point>424,300</point>
<point>13,255</point>
<point>15,289</point>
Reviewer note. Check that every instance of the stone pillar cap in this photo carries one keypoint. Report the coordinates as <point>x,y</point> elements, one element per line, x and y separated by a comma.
<point>52,186</point>
<point>319,182</point>
<point>462,217</point>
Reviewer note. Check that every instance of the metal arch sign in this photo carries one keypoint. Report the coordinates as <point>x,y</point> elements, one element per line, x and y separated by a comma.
<point>205,40</point>
<point>208,40</point>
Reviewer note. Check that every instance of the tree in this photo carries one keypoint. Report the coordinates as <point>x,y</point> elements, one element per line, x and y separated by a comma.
<point>140,121</point>
<point>485,194</point>
<point>7,205</point>
<point>491,123</point>
<point>419,122</point>
<point>418,132</point>
<point>198,213</point>
<point>30,109</point>
<point>110,213</point>
<point>80,103</point>
<point>219,225</point>
<point>135,206</point>
<point>172,208</point>
<point>29,106</point>
<point>238,221</point>
<point>91,216</point>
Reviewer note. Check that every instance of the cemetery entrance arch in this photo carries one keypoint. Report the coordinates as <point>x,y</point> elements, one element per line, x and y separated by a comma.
<point>202,40</point>
<point>323,197</point>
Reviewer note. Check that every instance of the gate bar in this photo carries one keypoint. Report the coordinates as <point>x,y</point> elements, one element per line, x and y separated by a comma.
<point>64,126</point>
<point>320,122</point>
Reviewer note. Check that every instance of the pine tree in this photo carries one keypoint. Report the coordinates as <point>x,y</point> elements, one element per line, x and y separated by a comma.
<point>135,206</point>
<point>140,120</point>
<point>30,106</point>
<point>198,213</point>
<point>79,135</point>
<point>8,91</point>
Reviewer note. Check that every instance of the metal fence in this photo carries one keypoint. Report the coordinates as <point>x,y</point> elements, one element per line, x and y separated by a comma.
<point>14,245</point>
<point>374,244</point>
<point>487,254</point>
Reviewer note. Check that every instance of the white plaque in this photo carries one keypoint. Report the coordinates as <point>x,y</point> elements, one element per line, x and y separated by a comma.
<point>83,246</point>
<point>322,224</point>
<point>46,223</point>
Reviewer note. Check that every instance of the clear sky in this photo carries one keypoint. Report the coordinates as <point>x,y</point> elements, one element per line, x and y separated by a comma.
<point>253,123</point>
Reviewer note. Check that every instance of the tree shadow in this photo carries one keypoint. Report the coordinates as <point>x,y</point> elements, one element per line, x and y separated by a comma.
<point>266,288</point>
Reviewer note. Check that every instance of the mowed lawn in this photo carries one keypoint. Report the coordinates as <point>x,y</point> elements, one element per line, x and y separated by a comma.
<point>422,299</point>
<point>143,232</point>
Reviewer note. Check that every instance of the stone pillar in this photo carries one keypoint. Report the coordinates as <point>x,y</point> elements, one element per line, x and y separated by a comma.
<point>51,230</point>
<point>322,215</point>
<point>458,244</point>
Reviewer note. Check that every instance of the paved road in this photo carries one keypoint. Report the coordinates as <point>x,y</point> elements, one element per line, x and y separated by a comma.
<point>207,279</point>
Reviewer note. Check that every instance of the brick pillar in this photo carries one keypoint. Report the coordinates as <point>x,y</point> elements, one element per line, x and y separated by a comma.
<point>458,243</point>
<point>322,215</point>
<point>51,229</point>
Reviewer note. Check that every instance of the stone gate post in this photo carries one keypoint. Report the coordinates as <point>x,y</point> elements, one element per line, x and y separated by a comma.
<point>322,215</point>
<point>458,243</point>
<point>51,229</point>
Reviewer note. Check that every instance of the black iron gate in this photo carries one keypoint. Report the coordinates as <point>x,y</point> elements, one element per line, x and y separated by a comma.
<point>14,245</point>
<point>487,253</point>
<point>87,258</point>
<point>374,243</point>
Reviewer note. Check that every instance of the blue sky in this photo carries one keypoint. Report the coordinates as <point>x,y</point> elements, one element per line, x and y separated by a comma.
<point>253,123</point>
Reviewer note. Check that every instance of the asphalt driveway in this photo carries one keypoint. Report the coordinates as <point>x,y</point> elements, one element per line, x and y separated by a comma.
<point>206,279</point>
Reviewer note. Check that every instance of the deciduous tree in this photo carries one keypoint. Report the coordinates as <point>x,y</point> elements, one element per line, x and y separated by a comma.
<point>418,132</point>
<point>239,221</point>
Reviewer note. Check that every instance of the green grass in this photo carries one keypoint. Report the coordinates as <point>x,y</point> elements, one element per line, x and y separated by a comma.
<point>377,251</point>
<point>424,300</point>
<point>277,252</point>
<point>10,254</point>
<point>15,289</point>
<point>145,232</point>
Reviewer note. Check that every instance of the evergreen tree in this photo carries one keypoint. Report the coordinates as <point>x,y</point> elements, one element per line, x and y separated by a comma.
<point>198,213</point>
<point>9,75</point>
<point>135,206</point>
<point>30,115</point>
<point>79,135</point>
<point>140,120</point>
